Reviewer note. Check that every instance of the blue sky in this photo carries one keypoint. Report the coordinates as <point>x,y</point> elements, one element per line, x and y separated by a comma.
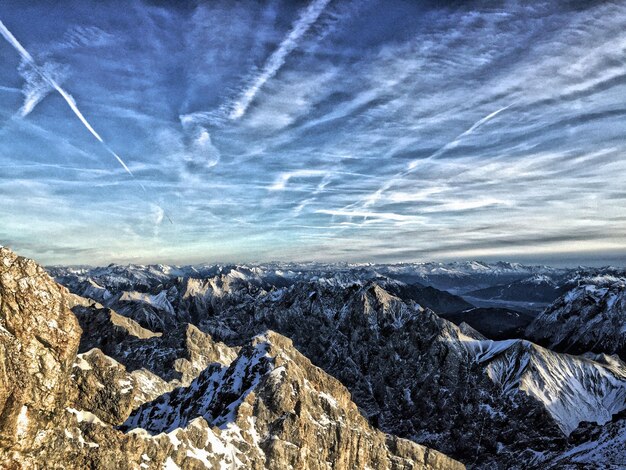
<point>326,130</point>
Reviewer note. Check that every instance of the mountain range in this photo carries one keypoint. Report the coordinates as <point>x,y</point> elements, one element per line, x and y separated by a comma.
<point>312,365</point>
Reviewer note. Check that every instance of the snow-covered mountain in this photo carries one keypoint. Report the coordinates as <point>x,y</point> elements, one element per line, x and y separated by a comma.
<point>590,317</point>
<point>538,289</point>
<point>455,276</point>
<point>464,277</point>
<point>267,367</point>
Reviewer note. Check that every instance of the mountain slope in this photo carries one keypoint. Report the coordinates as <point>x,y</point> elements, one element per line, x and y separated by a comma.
<point>38,342</point>
<point>491,404</point>
<point>590,317</point>
<point>539,288</point>
<point>293,414</point>
<point>495,323</point>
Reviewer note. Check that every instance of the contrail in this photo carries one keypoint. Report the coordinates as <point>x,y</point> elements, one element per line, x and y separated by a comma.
<point>10,89</point>
<point>458,138</point>
<point>69,99</point>
<point>278,57</point>
<point>372,198</point>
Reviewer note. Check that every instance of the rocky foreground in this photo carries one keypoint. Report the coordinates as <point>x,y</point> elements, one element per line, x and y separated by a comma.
<point>167,399</point>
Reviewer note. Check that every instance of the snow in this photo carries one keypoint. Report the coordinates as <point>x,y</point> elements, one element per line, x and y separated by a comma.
<point>85,416</point>
<point>329,398</point>
<point>572,389</point>
<point>81,363</point>
<point>158,301</point>
<point>22,422</point>
<point>81,439</point>
<point>201,455</point>
<point>486,350</point>
<point>256,438</point>
<point>127,386</point>
<point>606,450</point>
<point>174,438</point>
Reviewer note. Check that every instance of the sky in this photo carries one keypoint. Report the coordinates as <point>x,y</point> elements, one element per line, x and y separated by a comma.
<point>359,131</point>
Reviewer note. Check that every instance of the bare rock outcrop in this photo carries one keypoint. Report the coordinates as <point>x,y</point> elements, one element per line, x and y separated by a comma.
<point>272,408</point>
<point>39,338</point>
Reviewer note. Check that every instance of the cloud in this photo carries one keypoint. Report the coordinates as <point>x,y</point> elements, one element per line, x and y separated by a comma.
<point>278,57</point>
<point>201,153</point>
<point>281,182</point>
<point>85,36</point>
<point>69,99</point>
<point>49,80</point>
<point>367,214</point>
<point>36,88</point>
<point>410,130</point>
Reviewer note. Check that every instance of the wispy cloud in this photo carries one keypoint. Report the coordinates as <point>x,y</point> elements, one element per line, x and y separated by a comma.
<point>283,179</point>
<point>52,83</point>
<point>69,99</point>
<point>413,165</point>
<point>278,57</point>
<point>367,214</point>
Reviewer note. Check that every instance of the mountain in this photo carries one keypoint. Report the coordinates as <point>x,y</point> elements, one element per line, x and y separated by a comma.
<point>594,447</point>
<point>495,323</point>
<point>272,390</point>
<point>154,296</point>
<point>266,406</point>
<point>427,296</point>
<point>590,317</point>
<point>538,289</point>
<point>463,277</point>
<point>490,404</point>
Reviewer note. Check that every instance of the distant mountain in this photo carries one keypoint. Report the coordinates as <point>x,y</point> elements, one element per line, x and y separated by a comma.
<point>150,295</point>
<point>590,317</point>
<point>428,297</point>
<point>538,288</point>
<point>459,277</point>
<point>494,323</point>
<point>464,277</point>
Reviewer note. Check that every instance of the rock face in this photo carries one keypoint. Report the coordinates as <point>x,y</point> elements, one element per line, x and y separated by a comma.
<point>590,317</point>
<point>593,447</point>
<point>293,414</point>
<point>177,357</point>
<point>39,338</point>
<point>264,406</point>
<point>495,323</point>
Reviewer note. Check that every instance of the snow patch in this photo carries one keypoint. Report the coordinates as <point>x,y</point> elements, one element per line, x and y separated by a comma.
<point>85,416</point>
<point>22,422</point>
